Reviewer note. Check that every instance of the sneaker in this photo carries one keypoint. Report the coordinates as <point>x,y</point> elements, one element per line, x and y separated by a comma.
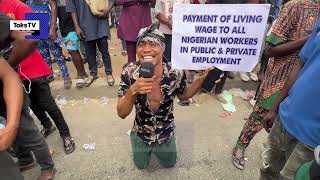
<point>253,76</point>
<point>47,131</point>
<point>244,77</point>
<point>68,144</point>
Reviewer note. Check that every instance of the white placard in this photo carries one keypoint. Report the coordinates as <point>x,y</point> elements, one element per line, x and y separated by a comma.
<point>227,36</point>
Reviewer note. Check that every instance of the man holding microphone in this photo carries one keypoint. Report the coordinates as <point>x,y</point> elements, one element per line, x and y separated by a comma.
<point>151,86</point>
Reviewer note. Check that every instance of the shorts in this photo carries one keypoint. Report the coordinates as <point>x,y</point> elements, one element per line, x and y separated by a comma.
<point>72,41</point>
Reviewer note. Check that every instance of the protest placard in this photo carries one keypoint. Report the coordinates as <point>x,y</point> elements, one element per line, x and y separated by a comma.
<point>227,36</point>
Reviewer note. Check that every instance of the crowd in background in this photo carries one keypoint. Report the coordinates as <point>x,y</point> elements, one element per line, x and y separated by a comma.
<point>288,63</point>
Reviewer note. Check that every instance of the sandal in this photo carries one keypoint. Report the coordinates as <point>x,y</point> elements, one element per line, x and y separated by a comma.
<point>80,83</point>
<point>237,160</point>
<point>90,80</point>
<point>47,131</point>
<point>67,58</point>
<point>110,80</point>
<point>50,79</point>
<point>68,144</point>
<point>184,103</point>
<point>67,83</point>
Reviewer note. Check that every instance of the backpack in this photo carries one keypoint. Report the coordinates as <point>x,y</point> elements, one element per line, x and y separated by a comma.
<point>97,6</point>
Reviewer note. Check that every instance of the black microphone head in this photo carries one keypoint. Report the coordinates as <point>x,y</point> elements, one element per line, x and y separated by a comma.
<point>146,70</point>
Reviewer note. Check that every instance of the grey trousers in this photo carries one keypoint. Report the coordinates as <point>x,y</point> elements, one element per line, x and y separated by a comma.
<point>284,156</point>
<point>8,169</point>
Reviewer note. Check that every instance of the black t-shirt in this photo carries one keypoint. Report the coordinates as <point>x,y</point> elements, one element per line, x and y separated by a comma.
<point>65,21</point>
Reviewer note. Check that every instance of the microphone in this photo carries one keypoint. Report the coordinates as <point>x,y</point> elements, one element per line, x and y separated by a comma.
<point>147,68</point>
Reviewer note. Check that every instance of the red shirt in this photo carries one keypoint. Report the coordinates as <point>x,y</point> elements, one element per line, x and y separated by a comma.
<point>33,66</point>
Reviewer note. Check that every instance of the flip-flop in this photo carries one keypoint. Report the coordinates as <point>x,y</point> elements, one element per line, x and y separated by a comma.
<point>225,114</point>
<point>184,103</point>
<point>237,160</point>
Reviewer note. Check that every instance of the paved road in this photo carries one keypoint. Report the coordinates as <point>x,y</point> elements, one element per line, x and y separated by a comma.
<point>204,140</point>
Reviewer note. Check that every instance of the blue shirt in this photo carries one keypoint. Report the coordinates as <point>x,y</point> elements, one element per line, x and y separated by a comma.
<point>300,111</point>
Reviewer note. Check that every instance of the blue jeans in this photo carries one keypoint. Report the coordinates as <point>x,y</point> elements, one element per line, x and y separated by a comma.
<point>91,51</point>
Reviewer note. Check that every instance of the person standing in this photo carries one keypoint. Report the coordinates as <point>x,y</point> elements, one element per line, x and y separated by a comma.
<point>16,49</point>
<point>164,11</point>
<point>71,40</point>
<point>53,43</point>
<point>94,30</point>
<point>135,16</point>
<point>12,93</point>
<point>295,113</point>
<point>33,72</point>
<point>288,35</point>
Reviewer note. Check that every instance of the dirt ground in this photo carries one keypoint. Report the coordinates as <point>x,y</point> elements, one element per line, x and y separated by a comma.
<point>204,140</point>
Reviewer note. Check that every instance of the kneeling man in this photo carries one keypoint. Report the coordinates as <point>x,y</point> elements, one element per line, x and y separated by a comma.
<point>153,96</point>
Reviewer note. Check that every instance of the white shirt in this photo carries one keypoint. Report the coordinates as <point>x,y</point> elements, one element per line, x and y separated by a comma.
<point>166,7</point>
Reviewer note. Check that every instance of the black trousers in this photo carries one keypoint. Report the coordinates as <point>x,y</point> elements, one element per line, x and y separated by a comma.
<point>28,139</point>
<point>42,102</point>
<point>91,52</point>
<point>167,51</point>
<point>8,169</point>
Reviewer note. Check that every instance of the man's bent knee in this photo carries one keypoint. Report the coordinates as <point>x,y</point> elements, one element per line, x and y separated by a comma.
<point>140,165</point>
<point>168,164</point>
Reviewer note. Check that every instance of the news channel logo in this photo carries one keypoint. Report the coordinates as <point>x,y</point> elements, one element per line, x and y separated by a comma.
<point>37,23</point>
